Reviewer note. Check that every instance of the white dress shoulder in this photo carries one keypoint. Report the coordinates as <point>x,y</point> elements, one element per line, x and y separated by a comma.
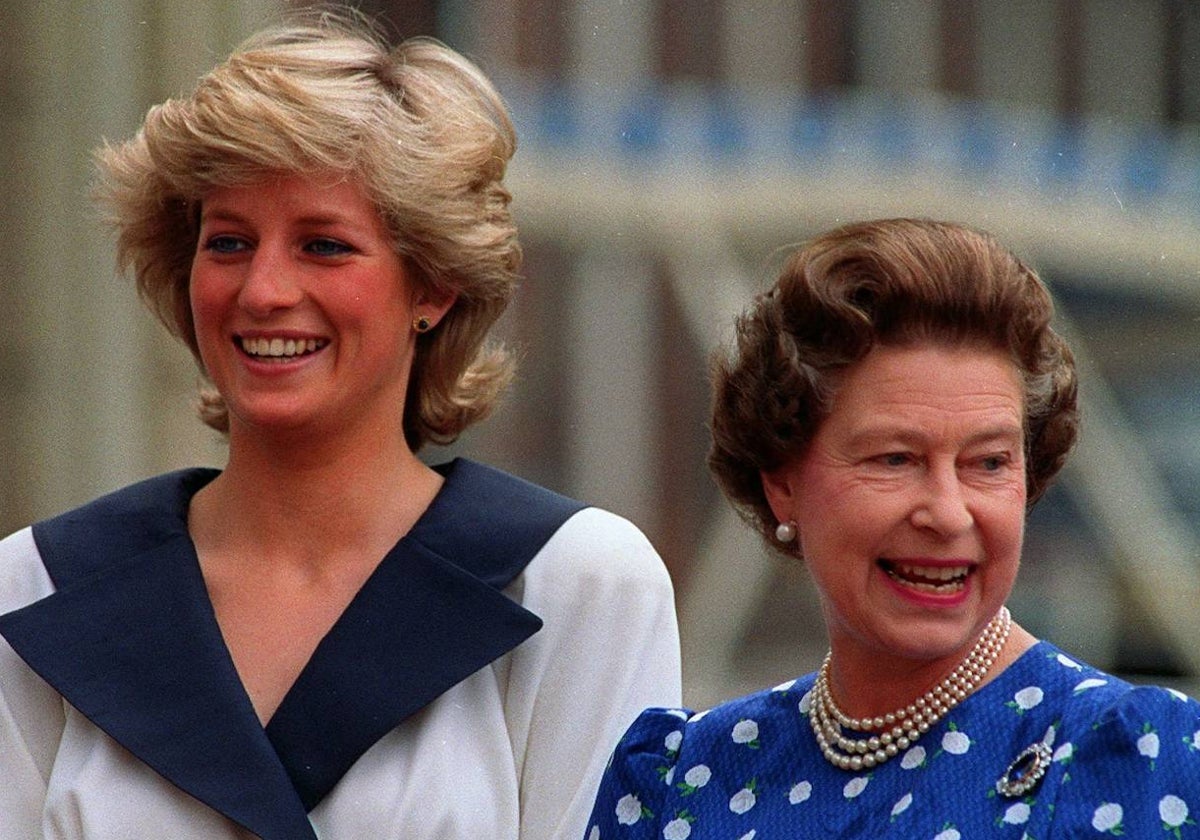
<point>473,688</point>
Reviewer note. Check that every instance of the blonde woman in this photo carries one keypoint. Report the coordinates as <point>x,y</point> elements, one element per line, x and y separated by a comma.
<point>326,638</point>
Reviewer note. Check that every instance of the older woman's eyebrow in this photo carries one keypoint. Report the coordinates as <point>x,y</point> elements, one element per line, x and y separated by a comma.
<point>882,435</point>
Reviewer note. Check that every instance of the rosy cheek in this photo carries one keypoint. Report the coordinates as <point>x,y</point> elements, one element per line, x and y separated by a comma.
<point>205,311</point>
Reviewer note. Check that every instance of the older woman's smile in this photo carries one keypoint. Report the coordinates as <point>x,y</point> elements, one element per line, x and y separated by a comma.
<point>937,579</point>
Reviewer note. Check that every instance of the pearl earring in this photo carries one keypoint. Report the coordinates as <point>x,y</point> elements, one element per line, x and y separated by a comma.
<point>785,532</point>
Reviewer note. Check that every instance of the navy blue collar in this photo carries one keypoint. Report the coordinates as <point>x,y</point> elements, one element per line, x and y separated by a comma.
<point>129,638</point>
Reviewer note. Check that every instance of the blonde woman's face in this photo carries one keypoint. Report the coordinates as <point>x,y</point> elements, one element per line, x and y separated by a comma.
<point>303,309</point>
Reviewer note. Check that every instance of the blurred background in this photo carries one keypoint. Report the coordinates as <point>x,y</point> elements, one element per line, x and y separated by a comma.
<point>668,150</point>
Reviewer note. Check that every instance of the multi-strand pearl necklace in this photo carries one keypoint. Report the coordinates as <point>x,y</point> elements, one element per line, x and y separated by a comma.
<point>898,730</point>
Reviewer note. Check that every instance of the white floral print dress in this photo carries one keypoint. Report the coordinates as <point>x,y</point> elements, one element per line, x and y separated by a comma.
<point>1119,760</point>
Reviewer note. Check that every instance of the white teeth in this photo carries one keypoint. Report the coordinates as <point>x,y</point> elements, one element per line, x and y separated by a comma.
<point>934,572</point>
<point>942,579</point>
<point>280,348</point>
<point>929,587</point>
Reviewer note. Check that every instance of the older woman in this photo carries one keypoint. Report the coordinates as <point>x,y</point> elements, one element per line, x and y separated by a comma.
<point>327,637</point>
<point>894,406</point>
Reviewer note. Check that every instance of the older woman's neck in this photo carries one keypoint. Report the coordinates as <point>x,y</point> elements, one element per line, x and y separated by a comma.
<point>866,686</point>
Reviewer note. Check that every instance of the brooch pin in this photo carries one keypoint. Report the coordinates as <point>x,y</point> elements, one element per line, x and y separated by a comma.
<point>1026,771</point>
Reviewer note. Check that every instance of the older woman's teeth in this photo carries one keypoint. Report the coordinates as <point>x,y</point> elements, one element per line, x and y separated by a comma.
<point>929,578</point>
<point>280,348</point>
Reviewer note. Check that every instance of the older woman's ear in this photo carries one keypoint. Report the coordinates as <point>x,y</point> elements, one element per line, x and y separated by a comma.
<point>780,490</point>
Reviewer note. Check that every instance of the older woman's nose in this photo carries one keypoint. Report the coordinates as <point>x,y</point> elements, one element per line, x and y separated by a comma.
<point>942,504</point>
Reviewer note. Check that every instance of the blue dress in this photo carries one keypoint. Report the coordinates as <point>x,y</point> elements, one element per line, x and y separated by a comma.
<point>1120,760</point>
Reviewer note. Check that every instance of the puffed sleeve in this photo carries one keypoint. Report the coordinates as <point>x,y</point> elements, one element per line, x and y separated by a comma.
<point>609,648</point>
<point>632,799</point>
<point>31,713</point>
<point>1135,771</point>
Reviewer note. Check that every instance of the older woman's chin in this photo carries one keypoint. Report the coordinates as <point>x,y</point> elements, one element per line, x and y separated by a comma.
<point>904,622</point>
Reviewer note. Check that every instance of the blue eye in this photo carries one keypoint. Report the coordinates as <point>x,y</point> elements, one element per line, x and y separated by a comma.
<point>327,248</point>
<point>225,244</point>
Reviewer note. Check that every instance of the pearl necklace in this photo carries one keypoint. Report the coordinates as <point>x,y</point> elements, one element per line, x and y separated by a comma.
<point>898,730</point>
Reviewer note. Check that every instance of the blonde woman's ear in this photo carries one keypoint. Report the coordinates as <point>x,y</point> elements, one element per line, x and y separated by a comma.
<point>430,307</point>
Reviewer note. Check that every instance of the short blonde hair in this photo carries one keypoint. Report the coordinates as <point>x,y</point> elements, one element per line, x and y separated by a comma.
<point>890,282</point>
<point>418,126</point>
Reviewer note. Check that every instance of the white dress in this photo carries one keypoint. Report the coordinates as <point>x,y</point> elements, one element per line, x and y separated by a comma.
<point>473,688</point>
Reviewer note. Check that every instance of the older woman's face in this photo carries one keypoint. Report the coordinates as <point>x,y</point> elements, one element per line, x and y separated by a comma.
<point>910,500</point>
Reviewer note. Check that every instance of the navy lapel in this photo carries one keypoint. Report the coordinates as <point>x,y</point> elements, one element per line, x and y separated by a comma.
<point>129,589</point>
<point>430,616</point>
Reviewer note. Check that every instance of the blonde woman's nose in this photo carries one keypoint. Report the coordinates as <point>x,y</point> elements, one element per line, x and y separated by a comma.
<point>269,283</point>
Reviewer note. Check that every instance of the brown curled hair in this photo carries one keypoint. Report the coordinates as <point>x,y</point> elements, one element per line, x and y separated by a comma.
<point>889,282</point>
